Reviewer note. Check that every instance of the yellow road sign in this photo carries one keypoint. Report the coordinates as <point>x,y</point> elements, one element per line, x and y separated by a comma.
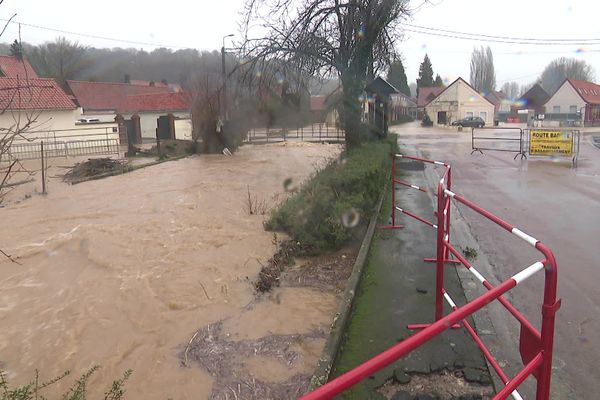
<point>550,143</point>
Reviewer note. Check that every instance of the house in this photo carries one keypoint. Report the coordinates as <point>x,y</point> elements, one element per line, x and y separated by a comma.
<point>501,105</point>
<point>158,113</point>
<point>530,104</point>
<point>574,102</point>
<point>174,87</point>
<point>459,100</point>
<point>35,104</point>
<point>139,106</point>
<point>379,93</point>
<point>323,110</point>
<point>102,98</point>
<point>424,96</point>
<point>13,67</point>
<point>402,106</point>
<point>41,110</point>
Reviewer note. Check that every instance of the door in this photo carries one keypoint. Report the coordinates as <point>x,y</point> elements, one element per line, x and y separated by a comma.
<point>163,129</point>
<point>442,118</point>
<point>131,137</point>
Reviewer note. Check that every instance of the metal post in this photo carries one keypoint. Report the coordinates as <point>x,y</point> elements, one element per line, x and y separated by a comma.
<point>158,143</point>
<point>224,77</point>
<point>549,308</point>
<point>320,128</point>
<point>393,190</point>
<point>447,226</point>
<point>441,250</point>
<point>43,168</point>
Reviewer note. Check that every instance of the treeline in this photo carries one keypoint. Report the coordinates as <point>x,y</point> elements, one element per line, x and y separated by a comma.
<point>63,60</point>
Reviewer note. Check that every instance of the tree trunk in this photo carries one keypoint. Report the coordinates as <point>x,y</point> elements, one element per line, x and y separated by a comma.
<point>353,86</point>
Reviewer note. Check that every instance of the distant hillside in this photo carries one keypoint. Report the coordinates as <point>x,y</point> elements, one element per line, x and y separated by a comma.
<point>111,65</point>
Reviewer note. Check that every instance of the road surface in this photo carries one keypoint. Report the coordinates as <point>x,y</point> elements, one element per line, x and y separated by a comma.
<point>553,202</point>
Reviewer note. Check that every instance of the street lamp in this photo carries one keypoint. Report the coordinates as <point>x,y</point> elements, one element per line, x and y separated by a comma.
<point>224,76</point>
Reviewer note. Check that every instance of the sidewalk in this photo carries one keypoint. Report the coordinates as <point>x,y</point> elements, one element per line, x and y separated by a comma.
<point>397,289</point>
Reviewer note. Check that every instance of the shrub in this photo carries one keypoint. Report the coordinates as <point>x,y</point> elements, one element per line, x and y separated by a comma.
<point>78,391</point>
<point>426,120</point>
<point>326,211</point>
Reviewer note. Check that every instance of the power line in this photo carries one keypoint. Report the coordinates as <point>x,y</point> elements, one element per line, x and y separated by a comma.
<point>597,40</point>
<point>487,40</point>
<point>91,36</point>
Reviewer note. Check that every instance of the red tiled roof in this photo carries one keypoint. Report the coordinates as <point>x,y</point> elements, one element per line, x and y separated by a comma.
<point>12,67</point>
<point>426,94</point>
<point>140,82</point>
<point>33,94</point>
<point>318,103</point>
<point>178,101</point>
<point>589,92</point>
<point>103,96</point>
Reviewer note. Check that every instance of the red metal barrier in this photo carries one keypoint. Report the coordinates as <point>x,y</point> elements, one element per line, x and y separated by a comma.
<point>535,346</point>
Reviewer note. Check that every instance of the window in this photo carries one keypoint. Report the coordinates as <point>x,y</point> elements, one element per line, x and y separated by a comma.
<point>483,115</point>
<point>469,114</point>
<point>556,109</point>
<point>572,109</point>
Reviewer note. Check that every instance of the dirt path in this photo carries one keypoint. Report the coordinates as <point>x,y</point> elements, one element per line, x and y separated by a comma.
<point>121,272</point>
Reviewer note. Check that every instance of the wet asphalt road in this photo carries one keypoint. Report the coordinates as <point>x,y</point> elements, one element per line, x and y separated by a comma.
<point>553,202</point>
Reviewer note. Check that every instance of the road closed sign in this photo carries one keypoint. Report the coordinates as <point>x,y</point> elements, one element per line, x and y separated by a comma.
<point>550,143</point>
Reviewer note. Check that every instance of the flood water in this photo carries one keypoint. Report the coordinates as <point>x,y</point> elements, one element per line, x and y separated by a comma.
<point>122,271</point>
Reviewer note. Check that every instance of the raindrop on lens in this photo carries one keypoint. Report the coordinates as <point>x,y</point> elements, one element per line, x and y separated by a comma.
<point>350,218</point>
<point>288,185</point>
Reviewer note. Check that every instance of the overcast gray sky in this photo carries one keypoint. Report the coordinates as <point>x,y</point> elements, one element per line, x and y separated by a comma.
<point>202,24</point>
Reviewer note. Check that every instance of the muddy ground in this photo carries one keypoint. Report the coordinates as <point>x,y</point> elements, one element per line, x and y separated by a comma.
<point>149,269</point>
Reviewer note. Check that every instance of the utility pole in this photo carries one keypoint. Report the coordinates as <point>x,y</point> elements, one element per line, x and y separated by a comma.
<point>224,76</point>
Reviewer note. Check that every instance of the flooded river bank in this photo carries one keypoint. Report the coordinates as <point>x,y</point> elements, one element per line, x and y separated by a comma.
<point>121,272</point>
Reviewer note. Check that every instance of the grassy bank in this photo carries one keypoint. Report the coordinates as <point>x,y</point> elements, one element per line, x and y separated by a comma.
<point>331,207</point>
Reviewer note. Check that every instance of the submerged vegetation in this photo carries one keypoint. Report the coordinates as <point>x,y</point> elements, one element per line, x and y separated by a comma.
<point>78,391</point>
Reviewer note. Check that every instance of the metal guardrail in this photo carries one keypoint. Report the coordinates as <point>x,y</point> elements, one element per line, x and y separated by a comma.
<point>53,149</point>
<point>309,133</point>
<point>535,346</point>
<point>505,142</point>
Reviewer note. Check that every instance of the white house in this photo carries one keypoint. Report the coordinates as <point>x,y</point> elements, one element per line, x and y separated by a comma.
<point>576,101</point>
<point>459,100</point>
<point>35,105</point>
<point>31,103</point>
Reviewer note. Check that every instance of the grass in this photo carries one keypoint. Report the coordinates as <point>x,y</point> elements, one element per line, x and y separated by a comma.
<point>328,210</point>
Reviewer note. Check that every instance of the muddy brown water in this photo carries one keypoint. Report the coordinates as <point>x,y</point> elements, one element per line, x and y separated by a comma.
<point>122,271</point>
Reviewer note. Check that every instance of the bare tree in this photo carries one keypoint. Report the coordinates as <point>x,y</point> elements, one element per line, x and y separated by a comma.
<point>511,90</point>
<point>483,76</point>
<point>353,39</point>
<point>61,59</point>
<point>562,68</point>
<point>13,94</point>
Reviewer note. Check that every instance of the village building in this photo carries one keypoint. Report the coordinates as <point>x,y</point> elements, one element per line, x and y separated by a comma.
<point>459,100</point>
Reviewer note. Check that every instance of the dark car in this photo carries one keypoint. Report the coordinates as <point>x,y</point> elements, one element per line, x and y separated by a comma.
<point>472,122</point>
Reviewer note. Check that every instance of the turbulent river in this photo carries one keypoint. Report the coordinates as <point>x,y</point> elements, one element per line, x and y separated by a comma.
<point>121,272</point>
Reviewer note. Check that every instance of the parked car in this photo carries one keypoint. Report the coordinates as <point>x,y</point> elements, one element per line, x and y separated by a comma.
<point>87,120</point>
<point>472,122</point>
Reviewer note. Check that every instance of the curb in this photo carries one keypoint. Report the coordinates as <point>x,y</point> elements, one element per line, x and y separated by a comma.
<point>342,317</point>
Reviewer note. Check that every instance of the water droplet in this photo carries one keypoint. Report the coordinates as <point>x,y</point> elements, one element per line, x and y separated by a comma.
<point>350,218</point>
<point>288,185</point>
